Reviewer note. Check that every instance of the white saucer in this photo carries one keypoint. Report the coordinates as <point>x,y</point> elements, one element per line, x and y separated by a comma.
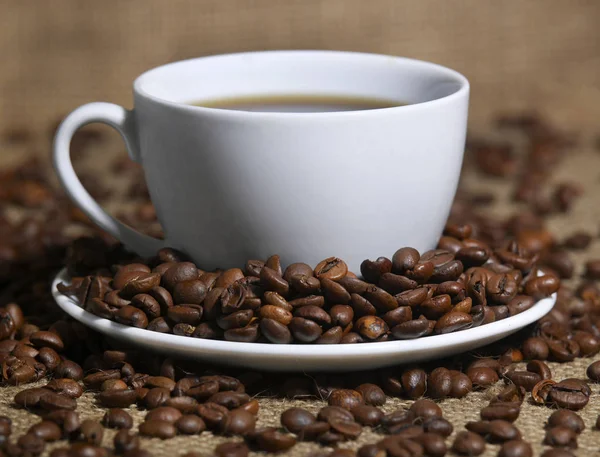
<point>298,357</point>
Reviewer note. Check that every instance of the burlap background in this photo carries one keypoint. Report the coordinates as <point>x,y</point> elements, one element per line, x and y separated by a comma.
<point>517,53</point>
<point>540,54</point>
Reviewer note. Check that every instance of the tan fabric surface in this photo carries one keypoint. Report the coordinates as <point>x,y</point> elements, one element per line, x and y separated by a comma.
<point>517,54</point>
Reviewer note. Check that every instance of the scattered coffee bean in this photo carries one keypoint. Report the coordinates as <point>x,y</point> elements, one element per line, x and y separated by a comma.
<point>468,443</point>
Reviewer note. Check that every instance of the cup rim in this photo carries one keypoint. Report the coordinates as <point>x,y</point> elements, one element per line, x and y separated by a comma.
<point>463,90</point>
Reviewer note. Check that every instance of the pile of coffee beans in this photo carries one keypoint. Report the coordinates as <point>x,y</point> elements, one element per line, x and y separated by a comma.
<point>485,268</point>
<point>461,285</point>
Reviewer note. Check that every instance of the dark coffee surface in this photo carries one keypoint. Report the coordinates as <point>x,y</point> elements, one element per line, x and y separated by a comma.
<point>291,103</point>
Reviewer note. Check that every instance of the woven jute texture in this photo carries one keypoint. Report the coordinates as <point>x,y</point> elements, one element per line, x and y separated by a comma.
<point>517,54</point>
<point>582,165</point>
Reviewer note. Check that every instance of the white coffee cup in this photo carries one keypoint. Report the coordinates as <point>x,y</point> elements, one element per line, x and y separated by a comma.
<point>229,186</point>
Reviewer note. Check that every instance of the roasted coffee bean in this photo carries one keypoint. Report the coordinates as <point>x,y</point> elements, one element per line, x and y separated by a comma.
<point>124,442</point>
<point>341,315</point>
<point>313,313</point>
<point>158,429</point>
<point>315,300</point>
<point>329,413</point>
<point>371,327</point>
<point>349,429</point>
<point>405,259</point>
<point>593,371</point>
<point>452,322</point>
<point>501,288</point>
<point>68,420</point>
<point>435,307</point>
<point>569,393</point>
<point>561,437</point>
<point>414,382</point>
<point>117,418</point>
<point>589,344</point>
<point>95,380</point>
<point>117,398</point>
<point>186,405</point>
<point>515,448</point>
<point>412,298</point>
<point>191,292</point>
<point>164,413</point>
<point>230,399</point>
<point>424,409</point>
<point>560,261</point>
<point>30,398</point>
<point>179,272</point>
<point>313,431</point>
<point>248,334</point>
<point>30,444</point>
<point>439,383</point>
<point>52,401</point>
<point>334,292</point>
<point>163,297</point>
<point>190,424</point>
<point>539,367</point>
<point>147,304</point>
<point>361,306</point>
<point>367,415</point>
<point>461,384</point>
<point>372,394</point>
<point>272,440</point>
<point>415,328</point>
<point>468,443</point>
<point>507,411</point>
<point>66,386</point>
<point>305,330</point>
<point>525,379</point>
<point>91,432</point>
<point>51,340</point>
<point>396,284</point>
<point>275,331</point>
<point>332,336</point>
<point>138,283</point>
<point>232,449</point>
<point>535,348</point>
<point>276,313</point>
<point>331,268</point>
<point>46,430</point>
<point>496,431</point>
<point>272,281</point>
<point>156,397</point>
<point>185,314</point>
<point>212,414</point>
<point>129,315</point>
<point>296,419</point>
<point>371,450</point>
<point>345,398</point>
<point>380,299</point>
<point>372,270</point>
<point>237,319</point>
<point>438,426</point>
<point>566,418</point>
<point>352,338</point>
<point>563,350</point>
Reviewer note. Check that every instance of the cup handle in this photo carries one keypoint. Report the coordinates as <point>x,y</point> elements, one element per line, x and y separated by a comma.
<point>123,121</point>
